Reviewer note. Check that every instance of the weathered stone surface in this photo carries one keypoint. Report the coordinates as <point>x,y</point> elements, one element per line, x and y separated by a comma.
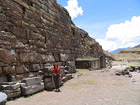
<point>3,79</point>
<point>11,91</point>
<point>1,64</point>
<point>65,79</point>
<point>7,83</point>
<point>16,86</point>
<point>1,71</point>
<point>22,85</point>
<point>36,36</point>
<point>21,69</point>
<point>3,18</point>
<point>9,70</point>
<point>50,58</point>
<point>21,76</point>
<point>31,81</point>
<point>3,98</point>
<point>71,67</point>
<point>36,67</point>
<point>28,57</point>
<point>64,57</point>
<point>7,56</point>
<point>15,94</point>
<point>47,80</point>
<point>69,76</point>
<point>32,89</point>
<point>49,85</point>
<point>22,3</point>
<point>5,87</point>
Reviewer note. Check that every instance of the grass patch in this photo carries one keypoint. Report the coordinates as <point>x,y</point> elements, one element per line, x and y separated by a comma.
<point>130,63</point>
<point>119,84</point>
<point>126,56</point>
<point>83,71</point>
<point>137,90</point>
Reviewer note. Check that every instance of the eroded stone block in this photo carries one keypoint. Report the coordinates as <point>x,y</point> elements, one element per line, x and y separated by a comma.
<point>32,89</point>
<point>31,81</point>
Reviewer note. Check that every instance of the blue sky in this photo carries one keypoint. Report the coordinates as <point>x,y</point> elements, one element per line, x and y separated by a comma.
<point>107,21</point>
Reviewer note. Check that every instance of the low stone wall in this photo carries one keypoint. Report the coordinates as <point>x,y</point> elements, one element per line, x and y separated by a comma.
<point>29,86</point>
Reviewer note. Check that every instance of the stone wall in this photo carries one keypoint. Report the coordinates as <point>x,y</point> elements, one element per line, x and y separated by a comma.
<point>36,33</point>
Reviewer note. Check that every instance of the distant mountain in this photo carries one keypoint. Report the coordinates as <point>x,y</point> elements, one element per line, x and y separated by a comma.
<point>117,50</point>
<point>138,46</point>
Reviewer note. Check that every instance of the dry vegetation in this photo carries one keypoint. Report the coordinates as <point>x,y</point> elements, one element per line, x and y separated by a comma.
<point>129,63</point>
<point>128,54</point>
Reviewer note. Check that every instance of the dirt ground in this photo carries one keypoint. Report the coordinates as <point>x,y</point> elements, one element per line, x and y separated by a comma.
<point>100,87</point>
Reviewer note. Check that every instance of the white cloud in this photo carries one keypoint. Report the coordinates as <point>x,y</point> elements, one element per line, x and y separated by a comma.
<point>73,8</point>
<point>107,45</point>
<point>126,34</point>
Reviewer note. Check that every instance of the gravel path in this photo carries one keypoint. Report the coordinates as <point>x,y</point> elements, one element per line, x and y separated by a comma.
<point>101,87</point>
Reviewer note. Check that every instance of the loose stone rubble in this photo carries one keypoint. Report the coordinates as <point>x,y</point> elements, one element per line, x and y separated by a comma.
<point>125,71</point>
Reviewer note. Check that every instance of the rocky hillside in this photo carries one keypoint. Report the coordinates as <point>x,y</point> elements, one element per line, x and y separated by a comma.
<point>36,33</point>
<point>138,46</point>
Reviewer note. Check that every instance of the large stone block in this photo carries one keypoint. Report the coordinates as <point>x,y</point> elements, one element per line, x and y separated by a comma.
<point>3,79</point>
<point>13,95</point>
<point>50,58</point>
<point>69,76</point>
<point>46,80</point>
<point>28,57</point>
<point>16,22</point>
<point>32,89</point>
<point>49,85</point>
<point>15,14</point>
<point>21,69</point>
<point>64,57</point>
<point>22,3</point>
<point>19,32</point>
<point>36,67</point>
<point>31,81</point>
<point>11,91</point>
<point>22,85</point>
<point>37,36</point>
<point>7,56</point>
<point>9,70</point>
<point>15,86</point>
<point>21,76</point>
<point>71,67</point>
